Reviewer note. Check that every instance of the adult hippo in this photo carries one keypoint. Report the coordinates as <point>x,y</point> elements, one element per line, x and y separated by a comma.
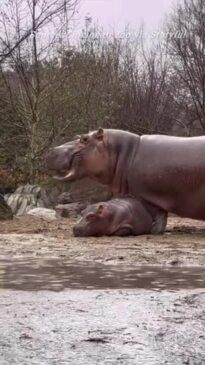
<point>166,171</point>
<point>118,217</point>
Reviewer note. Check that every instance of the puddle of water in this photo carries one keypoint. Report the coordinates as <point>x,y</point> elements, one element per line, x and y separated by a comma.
<point>56,275</point>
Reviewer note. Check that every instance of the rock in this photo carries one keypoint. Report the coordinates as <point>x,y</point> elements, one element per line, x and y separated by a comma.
<point>24,203</point>
<point>71,210</point>
<point>29,189</point>
<point>65,198</point>
<point>50,194</point>
<point>85,191</point>
<point>45,213</point>
<point>5,210</point>
<point>40,203</point>
<point>13,202</point>
<point>88,191</point>
<point>81,191</point>
<point>24,198</point>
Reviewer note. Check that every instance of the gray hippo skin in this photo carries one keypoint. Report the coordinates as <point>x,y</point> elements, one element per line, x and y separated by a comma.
<point>166,171</point>
<point>118,217</point>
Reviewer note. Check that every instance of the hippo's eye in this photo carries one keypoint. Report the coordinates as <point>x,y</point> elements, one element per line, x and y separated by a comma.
<point>84,139</point>
<point>90,216</point>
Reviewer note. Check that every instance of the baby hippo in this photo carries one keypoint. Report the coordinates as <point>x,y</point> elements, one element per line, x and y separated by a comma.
<point>118,217</point>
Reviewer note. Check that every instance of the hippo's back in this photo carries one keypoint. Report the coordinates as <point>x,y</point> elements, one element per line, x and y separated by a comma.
<point>170,172</point>
<point>172,151</point>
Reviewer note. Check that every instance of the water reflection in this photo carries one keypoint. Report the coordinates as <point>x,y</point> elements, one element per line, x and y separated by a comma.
<point>56,274</point>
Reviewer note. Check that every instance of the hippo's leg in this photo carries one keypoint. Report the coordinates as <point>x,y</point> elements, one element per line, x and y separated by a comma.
<point>124,231</point>
<point>160,222</point>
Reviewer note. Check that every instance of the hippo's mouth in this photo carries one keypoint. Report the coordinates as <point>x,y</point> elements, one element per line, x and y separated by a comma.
<point>67,172</point>
<point>64,175</point>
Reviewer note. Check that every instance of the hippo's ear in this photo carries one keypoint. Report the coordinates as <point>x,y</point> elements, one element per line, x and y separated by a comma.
<point>100,209</point>
<point>100,133</point>
<point>84,139</point>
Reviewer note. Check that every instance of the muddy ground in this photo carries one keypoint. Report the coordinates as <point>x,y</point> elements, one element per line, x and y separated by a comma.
<point>53,313</point>
<point>183,243</point>
<point>126,327</point>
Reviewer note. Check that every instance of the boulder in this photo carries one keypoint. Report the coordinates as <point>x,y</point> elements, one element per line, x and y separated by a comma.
<point>69,199</point>
<point>84,190</point>
<point>24,198</point>
<point>71,210</point>
<point>5,210</point>
<point>27,197</point>
<point>34,190</point>
<point>65,198</point>
<point>45,213</point>
<point>87,191</point>
<point>50,194</point>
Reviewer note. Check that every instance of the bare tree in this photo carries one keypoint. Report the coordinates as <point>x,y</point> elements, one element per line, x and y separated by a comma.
<point>52,91</point>
<point>186,35</point>
<point>42,13</point>
<point>24,75</point>
<point>147,101</point>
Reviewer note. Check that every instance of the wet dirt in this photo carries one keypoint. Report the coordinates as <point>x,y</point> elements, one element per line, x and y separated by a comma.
<point>131,301</point>
<point>183,244</point>
<point>81,327</point>
<point>33,274</point>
